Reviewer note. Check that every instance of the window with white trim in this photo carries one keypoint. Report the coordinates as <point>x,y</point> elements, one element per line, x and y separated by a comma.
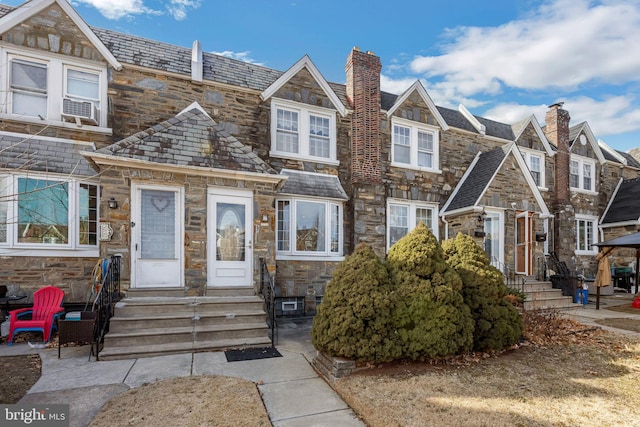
<point>403,216</point>
<point>586,234</point>
<point>46,213</point>
<point>309,227</point>
<point>581,173</point>
<point>28,88</point>
<point>303,131</point>
<point>414,145</point>
<point>535,163</point>
<point>46,88</point>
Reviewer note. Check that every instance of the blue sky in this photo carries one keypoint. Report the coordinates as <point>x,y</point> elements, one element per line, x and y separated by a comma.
<point>502,59</point>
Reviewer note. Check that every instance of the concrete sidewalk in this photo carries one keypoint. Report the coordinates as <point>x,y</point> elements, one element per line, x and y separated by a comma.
<point>292,391</point>
<point>588,315</point>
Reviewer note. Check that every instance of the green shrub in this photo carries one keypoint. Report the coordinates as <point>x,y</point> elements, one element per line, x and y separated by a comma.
<point>430,316</point>
<point>354,318</point>
<point>498,323</point>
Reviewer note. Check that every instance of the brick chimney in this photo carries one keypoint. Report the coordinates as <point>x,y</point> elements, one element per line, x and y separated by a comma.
<point>363,92</point>
<point>557,132</point>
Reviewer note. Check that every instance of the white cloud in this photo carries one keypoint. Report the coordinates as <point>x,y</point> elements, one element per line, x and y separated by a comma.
<point>395,86</point>
<point>117,9</point>
<point>240,56</point>
<point>612,116</point>
<point>178,8</point>
<point>563,44</point>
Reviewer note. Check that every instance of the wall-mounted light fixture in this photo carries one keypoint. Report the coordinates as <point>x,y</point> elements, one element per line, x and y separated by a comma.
<point>112,203</point>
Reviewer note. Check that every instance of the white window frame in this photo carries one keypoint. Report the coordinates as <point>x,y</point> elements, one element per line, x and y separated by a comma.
<point>11,92</point>
<point>582,161</point>
<point>304,112</point>
<point>95,101</point>
<point>291,252</point>
<point>528,155</point>
<point>73,248</point>
<point>412,207</point>
<point>56,89</point>
<point>414,129</point>
<point>580,239</point>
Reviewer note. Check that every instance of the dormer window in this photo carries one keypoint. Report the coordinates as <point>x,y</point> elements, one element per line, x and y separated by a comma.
<point>303,132</point>
<point>59,91</point>
<point>415,145</point>
<point>28,88</point>
<point>581,172</point>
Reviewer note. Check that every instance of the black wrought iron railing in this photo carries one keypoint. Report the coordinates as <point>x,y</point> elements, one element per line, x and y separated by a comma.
<point>268,291</point>
<point>107,297</point>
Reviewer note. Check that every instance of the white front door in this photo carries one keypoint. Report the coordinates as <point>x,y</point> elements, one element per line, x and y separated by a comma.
<point>230,238</point>
<point>157,236</point>
<point>494,239</point>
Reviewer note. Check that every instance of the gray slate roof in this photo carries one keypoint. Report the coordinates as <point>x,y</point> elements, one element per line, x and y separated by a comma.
<point>312,184</point>
<point>43,155</point>
<point>475,183</point>
<point>626,203</point>
<point>189,139</point>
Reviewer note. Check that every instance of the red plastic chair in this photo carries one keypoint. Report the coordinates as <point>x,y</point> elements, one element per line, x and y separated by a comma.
<point>47,305</point>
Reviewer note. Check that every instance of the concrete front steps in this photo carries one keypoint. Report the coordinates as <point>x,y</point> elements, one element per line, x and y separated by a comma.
<point>542,296</point>
<point>163,321</point>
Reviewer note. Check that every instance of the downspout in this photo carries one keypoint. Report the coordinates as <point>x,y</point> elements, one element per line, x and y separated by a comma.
<point>446,227</point>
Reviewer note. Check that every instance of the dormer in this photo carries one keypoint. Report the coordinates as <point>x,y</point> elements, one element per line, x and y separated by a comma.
<point>303,114</point>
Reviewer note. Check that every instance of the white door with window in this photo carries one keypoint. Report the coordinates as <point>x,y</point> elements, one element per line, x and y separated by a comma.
<point>494,238</point>
<point>230,238</point>
<point>157,237</point>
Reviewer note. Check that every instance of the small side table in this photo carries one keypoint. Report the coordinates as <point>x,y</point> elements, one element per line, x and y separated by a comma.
<point>6,301</point>
<point>78,331</point>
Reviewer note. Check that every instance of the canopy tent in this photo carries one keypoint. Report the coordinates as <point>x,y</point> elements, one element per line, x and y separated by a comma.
<point>628,241</point>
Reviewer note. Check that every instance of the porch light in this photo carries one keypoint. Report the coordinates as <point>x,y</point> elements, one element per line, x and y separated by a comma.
<point>112,203</point>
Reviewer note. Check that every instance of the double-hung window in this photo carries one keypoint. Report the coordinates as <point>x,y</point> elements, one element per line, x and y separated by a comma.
<point>309,227</point>
<point>48,88</point>
<point>586,233</point>
<point>28,86</point>
<point>404,216</point>
<point>302,131</point>
<point>581,174</point>
<point>414,145</point>
<point>45,213</point>
<point>535,162</point>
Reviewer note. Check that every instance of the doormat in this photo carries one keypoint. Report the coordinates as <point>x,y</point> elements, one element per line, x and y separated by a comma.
<point>251,354</point>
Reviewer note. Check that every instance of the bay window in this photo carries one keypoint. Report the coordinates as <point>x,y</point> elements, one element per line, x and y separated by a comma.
<point>309,227</point>
<point>45,213</point>
<point>403,216</point>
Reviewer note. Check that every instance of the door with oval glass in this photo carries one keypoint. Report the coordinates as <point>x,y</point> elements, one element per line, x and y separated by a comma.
<point>230,238</point>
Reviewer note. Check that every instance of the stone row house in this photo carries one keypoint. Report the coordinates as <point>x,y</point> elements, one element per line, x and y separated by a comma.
<point>198,168</point>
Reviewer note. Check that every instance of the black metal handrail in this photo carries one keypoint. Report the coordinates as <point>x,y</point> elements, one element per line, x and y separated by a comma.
<point>510,277</point>
<point>268,291</point>
<point>106,299</point>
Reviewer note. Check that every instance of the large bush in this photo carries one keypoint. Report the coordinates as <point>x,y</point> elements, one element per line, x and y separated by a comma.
<point>498,323</point>
<point>354,319</point>
<point>430,316</point>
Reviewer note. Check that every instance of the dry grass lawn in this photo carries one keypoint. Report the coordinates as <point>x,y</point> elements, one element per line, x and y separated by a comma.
<point>575,376</point>
<point>187,401</point>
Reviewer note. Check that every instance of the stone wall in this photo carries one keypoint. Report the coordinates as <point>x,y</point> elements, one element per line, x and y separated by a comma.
<point>116,183</point>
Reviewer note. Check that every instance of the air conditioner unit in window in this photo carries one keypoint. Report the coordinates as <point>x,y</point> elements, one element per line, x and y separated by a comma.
<point>79,111</point>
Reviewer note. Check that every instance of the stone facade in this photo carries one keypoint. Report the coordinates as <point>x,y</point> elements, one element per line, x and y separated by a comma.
<point>139,97</point>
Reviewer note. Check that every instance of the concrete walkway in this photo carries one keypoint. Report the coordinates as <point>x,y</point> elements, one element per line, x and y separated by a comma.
<point>292,391</point>
<point>588,315</point>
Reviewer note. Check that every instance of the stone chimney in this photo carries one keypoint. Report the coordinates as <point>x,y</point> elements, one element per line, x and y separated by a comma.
<point>363,92</point>
<point>557,132</point>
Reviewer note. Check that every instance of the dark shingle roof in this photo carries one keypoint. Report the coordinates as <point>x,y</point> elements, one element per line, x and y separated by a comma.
<point>312,184</point>
<point>631,161</point>
<point>189,139</point>
<point>470,190</point>
<point>626,203</point>
<point>35,154</point>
